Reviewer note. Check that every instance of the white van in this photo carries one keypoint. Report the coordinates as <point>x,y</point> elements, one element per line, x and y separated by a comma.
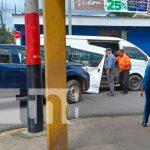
<point>92,58</point>
<point>139,59</point>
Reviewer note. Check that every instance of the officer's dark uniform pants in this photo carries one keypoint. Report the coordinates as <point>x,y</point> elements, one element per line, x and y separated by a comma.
<point>147,106</point>
<point>124,80</point>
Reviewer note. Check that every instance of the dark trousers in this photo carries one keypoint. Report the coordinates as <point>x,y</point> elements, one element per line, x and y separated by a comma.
<point>110,80</point>
<point>147,106</point>
<point>124,80</point>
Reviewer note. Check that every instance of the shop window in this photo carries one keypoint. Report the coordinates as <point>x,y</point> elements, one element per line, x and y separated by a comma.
<point>111,33</point>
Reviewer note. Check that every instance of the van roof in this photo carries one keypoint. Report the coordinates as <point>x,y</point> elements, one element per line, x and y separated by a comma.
<point>93,37</point>
<point>86,47</point>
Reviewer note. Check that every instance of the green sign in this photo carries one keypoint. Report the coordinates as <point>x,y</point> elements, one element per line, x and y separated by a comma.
<point>126,5</point>
<point>115,5</point>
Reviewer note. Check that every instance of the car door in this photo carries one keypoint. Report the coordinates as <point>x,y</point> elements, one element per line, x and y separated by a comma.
<point>12,72</point>
<point>7,68</point>
<point>21,76</point>
<point>92,57</point>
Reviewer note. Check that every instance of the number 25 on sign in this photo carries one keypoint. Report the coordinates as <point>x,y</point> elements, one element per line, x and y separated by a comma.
<point>114,5</point>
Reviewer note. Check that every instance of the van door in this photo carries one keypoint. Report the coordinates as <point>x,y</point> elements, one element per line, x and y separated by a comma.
<point>92,57</point>
<point>138,64</point>
<point>95,75</point>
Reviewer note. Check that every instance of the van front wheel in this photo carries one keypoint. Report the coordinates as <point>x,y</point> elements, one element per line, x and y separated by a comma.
<point>135,82</point>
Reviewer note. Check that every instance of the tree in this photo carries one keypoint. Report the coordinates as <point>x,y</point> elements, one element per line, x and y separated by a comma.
<point>6,37</point>
<point>120,14</point>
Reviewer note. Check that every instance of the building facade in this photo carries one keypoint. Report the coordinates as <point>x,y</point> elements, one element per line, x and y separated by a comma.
<point>135,30</point>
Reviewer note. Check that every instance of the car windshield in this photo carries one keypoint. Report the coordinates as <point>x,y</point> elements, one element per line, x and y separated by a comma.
<point>22,54</point>
<point>42,53</point>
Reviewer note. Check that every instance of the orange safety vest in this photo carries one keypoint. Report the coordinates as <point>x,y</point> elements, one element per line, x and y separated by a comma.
<point>124,62</point>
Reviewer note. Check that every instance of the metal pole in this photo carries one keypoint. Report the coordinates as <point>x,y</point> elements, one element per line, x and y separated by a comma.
<point>15,9</point>
<point>3,29</point>
<point>33,61</point>
<point>1,18</point>
<point>2,8</point>
<point>69,18</point>
<point>55,67</point>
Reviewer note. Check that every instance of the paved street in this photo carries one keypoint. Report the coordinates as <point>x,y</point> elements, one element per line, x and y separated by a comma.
<point>91,105</point>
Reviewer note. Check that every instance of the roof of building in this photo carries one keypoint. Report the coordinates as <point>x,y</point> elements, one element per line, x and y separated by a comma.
<point>90,20</point>
<point>99,15</point>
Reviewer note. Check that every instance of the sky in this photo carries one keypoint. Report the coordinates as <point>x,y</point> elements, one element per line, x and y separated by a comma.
<point>9,6</point>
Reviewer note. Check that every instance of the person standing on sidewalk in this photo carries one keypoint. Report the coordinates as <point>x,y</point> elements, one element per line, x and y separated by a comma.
<point>124,68</point>
<point>109,67</point>
<point>146,89</point>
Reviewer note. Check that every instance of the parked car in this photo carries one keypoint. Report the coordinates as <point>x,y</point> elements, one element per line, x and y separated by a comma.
<point>139,59</point>
<point>78,80</point>
<point>13,73</point>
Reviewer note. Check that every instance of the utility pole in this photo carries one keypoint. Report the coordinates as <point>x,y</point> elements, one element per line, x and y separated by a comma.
<point>15,9</point>
<point>55,69</point>
<point>69,18</point>
<point>2,11</point>
<point>1,23</point>
<point>1,18</point>
<point>1,14</point>
<point>3,36</point>
<point>33,61</point>
<point>2,7</point>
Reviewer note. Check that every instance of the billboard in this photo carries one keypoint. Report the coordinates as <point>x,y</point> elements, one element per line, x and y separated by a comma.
<point>89,4</point>
<point>140,6</point>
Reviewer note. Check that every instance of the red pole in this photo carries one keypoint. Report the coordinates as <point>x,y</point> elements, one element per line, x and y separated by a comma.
<point>33,61</point>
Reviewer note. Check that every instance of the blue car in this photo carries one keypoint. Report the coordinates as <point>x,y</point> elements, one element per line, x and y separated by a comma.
<point>13,73</point>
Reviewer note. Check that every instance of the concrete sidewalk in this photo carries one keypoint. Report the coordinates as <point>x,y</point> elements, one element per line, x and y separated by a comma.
<point>101,133</point>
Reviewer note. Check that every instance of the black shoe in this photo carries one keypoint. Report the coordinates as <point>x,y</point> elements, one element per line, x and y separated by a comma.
<point>124,93</point>
<point>144,124</point>
<point>110,94</point>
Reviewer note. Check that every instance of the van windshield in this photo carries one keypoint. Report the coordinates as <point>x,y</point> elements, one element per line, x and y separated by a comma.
<point>84,57</point>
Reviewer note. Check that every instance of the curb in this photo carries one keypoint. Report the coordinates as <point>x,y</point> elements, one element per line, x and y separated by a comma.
<point>11,132</point>
<point>22,133</point>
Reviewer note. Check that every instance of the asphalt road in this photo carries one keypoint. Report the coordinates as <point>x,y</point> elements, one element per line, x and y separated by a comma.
<point>91,105</point>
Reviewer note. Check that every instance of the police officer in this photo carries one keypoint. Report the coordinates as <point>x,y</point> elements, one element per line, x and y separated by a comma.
<point>146,88</point>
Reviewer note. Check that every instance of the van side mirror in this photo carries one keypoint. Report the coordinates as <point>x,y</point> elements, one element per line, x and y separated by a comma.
<point>146,59</point>
<point>24,61</point>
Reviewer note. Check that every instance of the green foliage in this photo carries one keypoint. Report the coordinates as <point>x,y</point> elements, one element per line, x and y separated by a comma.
<point>6,37</point>
<point>120,14</point>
